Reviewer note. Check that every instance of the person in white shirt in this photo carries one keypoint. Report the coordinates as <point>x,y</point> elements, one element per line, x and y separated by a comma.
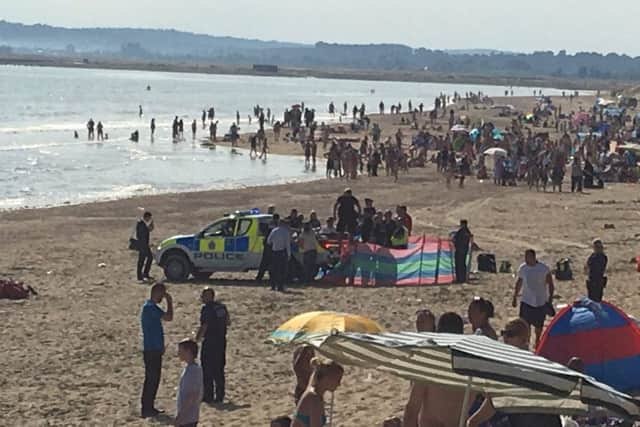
<point>330,228</point>
<point>280,241</point>
<point>536,283</point>
<point>190,387</point>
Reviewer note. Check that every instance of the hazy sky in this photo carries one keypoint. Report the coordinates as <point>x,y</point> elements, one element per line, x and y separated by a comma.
<point>516,25</point>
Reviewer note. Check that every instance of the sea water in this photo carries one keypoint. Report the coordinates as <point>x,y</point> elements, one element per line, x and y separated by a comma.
<point>42,164</point>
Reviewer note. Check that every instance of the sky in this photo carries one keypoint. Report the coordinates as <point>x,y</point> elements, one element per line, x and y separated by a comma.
<point>512,25</point>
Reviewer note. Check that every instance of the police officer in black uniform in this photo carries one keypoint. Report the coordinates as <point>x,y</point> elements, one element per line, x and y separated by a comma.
<point>214,320</point>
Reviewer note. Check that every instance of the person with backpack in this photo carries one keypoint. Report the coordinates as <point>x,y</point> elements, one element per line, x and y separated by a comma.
<point>144,227</point>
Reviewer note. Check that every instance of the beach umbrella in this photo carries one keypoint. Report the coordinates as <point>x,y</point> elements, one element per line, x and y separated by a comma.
<point>517,381</point>
<point>459,128</point>
<point>496,151</point>
<point>305,326</point>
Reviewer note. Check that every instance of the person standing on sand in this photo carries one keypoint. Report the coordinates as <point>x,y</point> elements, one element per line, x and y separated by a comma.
<point>144,227</point>
<point>265,230</point>
<point>214,321</point>
<point>536,283</point>
<point>151,318</point>
<point>596,268</point>
<point>347,210</point>
<point>190,386</point>
<point>280,241</point>
<point>461,242</point>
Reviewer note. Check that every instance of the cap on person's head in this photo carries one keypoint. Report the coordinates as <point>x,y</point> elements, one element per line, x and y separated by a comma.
<point>597,242</point>
<point>347,190</point>
<point>208,289</point>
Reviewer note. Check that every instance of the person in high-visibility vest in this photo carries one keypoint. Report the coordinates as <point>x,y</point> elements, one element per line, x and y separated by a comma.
<point>400,236</point>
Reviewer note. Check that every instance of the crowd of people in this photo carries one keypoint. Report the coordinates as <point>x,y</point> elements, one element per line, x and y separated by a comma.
<point>529,157</point>
<point>434,405</point>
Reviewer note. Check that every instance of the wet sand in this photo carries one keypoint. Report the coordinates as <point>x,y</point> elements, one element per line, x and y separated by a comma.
<point>71,356</point>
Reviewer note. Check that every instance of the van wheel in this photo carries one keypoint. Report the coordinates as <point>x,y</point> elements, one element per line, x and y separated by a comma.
<point>201,276</point>
<point>177,268</point>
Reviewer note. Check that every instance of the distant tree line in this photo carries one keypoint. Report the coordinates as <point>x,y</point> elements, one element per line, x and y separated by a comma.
<point>171,45</point>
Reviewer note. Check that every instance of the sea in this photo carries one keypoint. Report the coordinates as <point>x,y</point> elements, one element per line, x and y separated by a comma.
<point>42,164</point>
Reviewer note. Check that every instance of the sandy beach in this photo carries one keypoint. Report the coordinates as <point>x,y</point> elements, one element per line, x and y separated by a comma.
<point>72,355</point>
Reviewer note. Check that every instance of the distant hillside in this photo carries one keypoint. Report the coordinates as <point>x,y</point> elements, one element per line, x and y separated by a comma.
<point>114,40</point>
<point>171,47</point>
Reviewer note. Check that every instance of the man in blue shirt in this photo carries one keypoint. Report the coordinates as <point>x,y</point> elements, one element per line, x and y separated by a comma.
<point>151,317</point>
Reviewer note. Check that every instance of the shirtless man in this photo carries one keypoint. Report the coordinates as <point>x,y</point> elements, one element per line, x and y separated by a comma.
<point>433,405</point>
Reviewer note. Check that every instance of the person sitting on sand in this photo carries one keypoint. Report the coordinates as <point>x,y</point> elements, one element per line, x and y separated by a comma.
<point>302,357</point>
<point>326,377</point>
<point>480,311</point>
<point>432,405</point>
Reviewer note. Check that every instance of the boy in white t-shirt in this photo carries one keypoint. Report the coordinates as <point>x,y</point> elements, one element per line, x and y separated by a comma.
<point>536,283</point>
<point>190,387</point>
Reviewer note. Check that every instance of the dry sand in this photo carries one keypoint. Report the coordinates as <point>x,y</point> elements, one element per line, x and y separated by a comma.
<point>71,356</point>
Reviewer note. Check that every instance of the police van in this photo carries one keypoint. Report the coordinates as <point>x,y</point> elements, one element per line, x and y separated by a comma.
<point>233,243</point>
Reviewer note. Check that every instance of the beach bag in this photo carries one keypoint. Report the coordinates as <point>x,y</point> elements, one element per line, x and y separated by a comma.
<point>563,270</point>
<point>487,263</point>
<point>13,290</point>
